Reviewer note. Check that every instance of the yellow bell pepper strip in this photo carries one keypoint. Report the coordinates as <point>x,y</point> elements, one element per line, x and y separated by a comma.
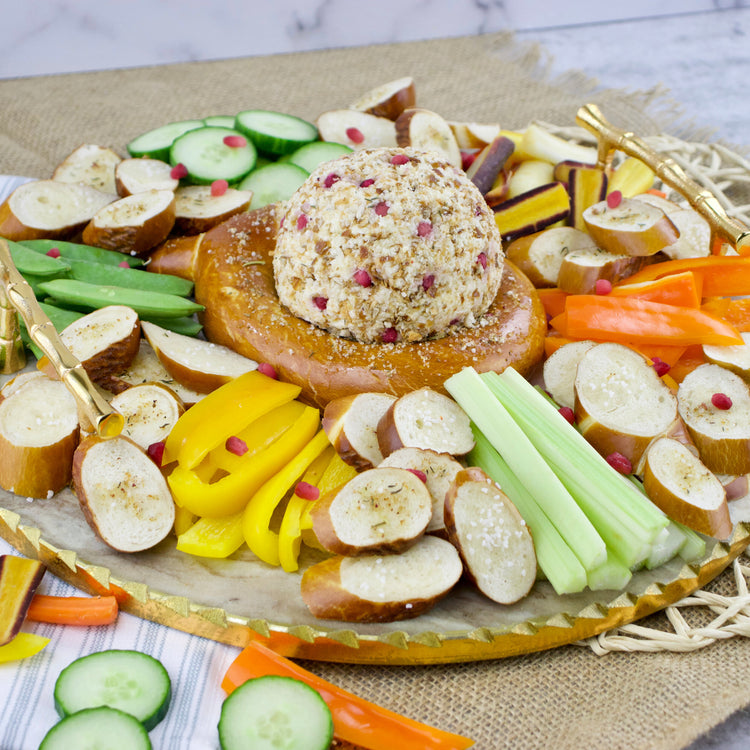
<point>231,493</point>
<point>22,646</point>
<point>256,523</point>
<point>19,578</point>
<point>290,531</point>
<point>258,435</point>
<point>337,472</point>
<point>183,519</point>
<point>213,537</point>
<point>222,413</point>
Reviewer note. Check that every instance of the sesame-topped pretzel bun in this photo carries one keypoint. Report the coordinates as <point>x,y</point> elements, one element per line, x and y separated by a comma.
<point>443,297</point>
<point>388,245</point>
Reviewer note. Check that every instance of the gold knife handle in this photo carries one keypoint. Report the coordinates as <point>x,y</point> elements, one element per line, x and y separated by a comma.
<point>613,139</point>
<point>94,412</point>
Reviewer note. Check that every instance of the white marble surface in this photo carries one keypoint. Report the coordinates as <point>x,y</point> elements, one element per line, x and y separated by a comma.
<point>698,51</point>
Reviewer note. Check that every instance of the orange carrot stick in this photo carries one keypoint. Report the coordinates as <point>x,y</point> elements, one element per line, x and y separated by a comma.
<point>355,720</point>
<point>73,610</point>
<point>633,321</point>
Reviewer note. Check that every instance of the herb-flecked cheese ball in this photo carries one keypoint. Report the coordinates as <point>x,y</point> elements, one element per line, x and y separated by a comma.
<point>388,245</point>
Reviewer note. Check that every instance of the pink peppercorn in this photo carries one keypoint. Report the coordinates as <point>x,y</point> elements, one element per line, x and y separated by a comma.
<point>155,452</point>
<point>235,141</point>
<point>721,401</point>
<point>301,222</point>
<point>331,179</point>
<point>398,159</point>
<point>620,463</point>
<point>603,286</point>
<point>381,209</point>
<point>482,260</point>
<point>264,368</point>
<point>367,182</point>
<point>124,264</point>
<point>568,413</point>
<point>419,474</point>
<point>362,277</point>
<point>390,336</point>
<point>614,199</point>
<point>355,135</point>
<point>428,281</point>
<point>307,491</point>
<point>219,187</point>
<point>178,171</point>
<point>661,367</point>
<point>424,228</point>
<point>236,445</point>
<point>53,252</point>
<point>320,302</point>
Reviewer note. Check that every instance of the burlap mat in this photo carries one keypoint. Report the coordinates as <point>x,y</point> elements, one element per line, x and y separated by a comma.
<point>567,698</point>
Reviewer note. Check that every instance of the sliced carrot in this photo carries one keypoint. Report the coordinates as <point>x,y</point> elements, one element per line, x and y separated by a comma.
<point>355,720</point>
<point>553,300</point>
<point>682,289</point>
<point>73,610</point>
<point>721,275</point>
<point>736,312</point>
<point>639,322</point>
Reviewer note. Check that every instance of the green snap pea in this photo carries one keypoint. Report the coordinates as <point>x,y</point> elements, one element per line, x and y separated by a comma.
<point>35,263</point>
<point>100,273</point>
<point>76,251</point>
<point>73,292</point>
<point>186,326</point>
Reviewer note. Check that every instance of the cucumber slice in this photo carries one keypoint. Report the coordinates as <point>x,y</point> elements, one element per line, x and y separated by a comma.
<point>103,728</point>
<point>269,712</point>
<point>312,155</point>
<point>207,158</point>
<point>219,121</point>
<point>101,273</point>
<point>274,182</point>
<point>155,144</point>
<point>93,296</point>
<point>130,681</point>
<point>76,251</point>
<point>275,132</point>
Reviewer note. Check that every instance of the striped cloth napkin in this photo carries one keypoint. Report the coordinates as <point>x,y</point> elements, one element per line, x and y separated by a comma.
<point>195,665</point>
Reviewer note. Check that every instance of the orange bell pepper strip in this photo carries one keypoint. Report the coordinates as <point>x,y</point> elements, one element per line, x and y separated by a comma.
<point>637,322</point>
<point>720,275</point>
<point>231,493</point>
<point>222,413</point>
<point>355,719</point>
<point>682,289</point>
<point>262,540</point>
<point>73,610</point>
<point>290,530</point>
<point>691,358</point>
<point>736,312</point>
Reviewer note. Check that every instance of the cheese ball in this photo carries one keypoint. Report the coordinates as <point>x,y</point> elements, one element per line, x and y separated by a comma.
<point>388,245</point>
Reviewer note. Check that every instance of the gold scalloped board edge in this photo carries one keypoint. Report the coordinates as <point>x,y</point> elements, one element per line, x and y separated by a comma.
<point>394,647</point>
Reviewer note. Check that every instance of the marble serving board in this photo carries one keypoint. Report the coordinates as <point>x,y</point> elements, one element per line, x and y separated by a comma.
<point>240,598</point>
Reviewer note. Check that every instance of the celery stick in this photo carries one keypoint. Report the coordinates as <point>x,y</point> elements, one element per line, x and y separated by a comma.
<point>529,407</point>
<point>475,398</point>
<point>555,558</point>
<point>695,545</point>
<point>613,574</point>
<point>666,545</point>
